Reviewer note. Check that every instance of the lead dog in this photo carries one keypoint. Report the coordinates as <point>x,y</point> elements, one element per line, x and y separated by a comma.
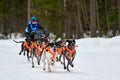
<point>49,56</point>
<point>69,54</point>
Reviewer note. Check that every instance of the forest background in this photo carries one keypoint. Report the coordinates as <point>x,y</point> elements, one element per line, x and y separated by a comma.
<point>63,18</point>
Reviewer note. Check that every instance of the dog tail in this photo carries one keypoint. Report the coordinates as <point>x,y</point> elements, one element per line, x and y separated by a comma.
<point>18,41</point>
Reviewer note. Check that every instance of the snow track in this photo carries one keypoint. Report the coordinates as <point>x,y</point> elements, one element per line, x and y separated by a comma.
<point>96,59</point>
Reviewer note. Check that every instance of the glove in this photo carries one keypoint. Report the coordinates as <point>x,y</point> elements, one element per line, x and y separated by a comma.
<point>32,33</point>
<point>42,35</point>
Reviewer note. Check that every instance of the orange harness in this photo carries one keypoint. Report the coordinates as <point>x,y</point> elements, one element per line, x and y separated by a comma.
<point>70,52</point>
<point>34,45</point>
<point>39,49</point>
<point>59,50</point>
<point>51,52</point>
<point>25,44</point>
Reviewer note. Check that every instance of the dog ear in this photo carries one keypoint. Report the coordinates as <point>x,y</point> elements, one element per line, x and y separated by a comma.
<point>74,41</point>
<point>56,43</point>
<point>51,44</point>
<point>27,40</point>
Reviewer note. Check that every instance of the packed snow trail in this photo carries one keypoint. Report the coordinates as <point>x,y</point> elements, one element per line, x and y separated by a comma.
<point>96,59</point>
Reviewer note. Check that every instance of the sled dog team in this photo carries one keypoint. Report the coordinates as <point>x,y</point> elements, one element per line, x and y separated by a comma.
<point>49,53</point>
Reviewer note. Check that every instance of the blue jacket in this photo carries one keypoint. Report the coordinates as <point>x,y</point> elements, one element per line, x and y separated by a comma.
<point>32,27</point>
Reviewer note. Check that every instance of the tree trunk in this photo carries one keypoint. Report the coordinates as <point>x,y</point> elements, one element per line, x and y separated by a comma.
<point>86,17</point>
<point>93,18</point>
<point>107,16</point>
<point>65,19</point>
<point>119,15</point>
<point>79,27</point>
<point>98,21</point>
<point>28,10</point>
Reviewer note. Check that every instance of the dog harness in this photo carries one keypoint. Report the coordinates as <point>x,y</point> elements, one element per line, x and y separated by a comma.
<point>25,44</point>
<point>51,52</point>
<point>70,52</point>
<point>40,48</point>
<point>59,50</point>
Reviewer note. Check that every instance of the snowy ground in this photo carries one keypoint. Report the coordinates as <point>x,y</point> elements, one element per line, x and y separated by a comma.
<point>96,59</point>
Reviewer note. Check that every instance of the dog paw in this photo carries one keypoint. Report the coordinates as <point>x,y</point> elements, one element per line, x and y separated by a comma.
<point>33,66</point>
<point>64,67</point>
<point>43,69</point>
<point>19,53</point>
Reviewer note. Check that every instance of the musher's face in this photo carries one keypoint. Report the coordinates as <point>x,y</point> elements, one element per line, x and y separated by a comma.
<point>34,22</point>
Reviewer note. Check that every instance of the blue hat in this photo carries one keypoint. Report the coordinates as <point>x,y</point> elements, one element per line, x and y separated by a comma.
<point>33,18</point>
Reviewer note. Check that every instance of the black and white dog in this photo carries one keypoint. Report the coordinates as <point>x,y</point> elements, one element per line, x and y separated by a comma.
<point>23,48</point>
<point>69,54</point>
<point>49,56</point>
